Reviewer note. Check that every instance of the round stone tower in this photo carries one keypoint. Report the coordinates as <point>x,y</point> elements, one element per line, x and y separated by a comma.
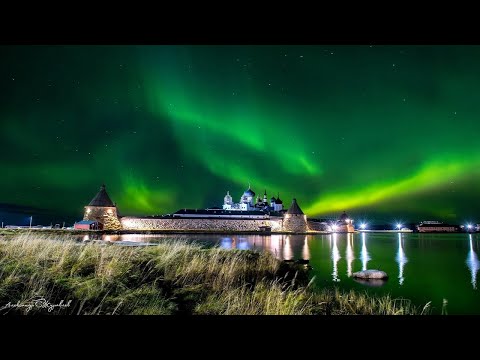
<point>295,220</point>
<point>345,224</point>
<point>103,210</point>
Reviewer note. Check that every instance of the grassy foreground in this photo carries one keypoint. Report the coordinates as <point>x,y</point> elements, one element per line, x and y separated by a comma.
<point>171,278</point>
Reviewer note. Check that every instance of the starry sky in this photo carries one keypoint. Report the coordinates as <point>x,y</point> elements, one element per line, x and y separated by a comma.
<point>383,132</point>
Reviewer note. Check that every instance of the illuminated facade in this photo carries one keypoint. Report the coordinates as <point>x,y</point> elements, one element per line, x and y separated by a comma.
<point>246,202</point>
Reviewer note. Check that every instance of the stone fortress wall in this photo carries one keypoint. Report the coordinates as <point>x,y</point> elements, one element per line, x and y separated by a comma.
<point>102,210</point>
<point>295,223</point>
<point>134,223</point>
<point>106,216</point>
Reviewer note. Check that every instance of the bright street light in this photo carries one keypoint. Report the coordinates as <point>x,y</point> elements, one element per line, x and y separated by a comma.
<point>363,226</point>
<point>399,226</point>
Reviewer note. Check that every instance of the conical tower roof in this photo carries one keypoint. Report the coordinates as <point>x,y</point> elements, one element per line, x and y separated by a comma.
<point>344,216</point>
<point>102,199</point>
<point>294,208</point>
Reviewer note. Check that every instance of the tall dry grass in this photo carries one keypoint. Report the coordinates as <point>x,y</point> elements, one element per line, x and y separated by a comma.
<point>170,278</point>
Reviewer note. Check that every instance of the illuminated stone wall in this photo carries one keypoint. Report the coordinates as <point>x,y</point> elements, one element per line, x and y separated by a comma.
<point>106,216</point>
<point>111,222</point>
<point>316,226</point>
<point>295,223</point>
<point>132,223</point>
<point>345,228</point>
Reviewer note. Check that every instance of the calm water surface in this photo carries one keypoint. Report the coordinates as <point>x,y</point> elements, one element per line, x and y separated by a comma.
<point>421,267</point>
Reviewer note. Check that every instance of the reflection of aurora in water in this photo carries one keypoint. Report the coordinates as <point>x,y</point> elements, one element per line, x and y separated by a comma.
<point>401,259</point>
<point>335,257</point>
<point>364,253</point>
<point>473,263</point>
<point>350,255</point>
<point>442,254</point>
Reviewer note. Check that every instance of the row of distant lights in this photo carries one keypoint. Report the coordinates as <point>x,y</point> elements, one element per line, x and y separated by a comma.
<point>363,226</point>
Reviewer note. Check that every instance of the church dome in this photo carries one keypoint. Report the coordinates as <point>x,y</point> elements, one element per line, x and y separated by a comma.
<point>278,201</point>
<point>249,192</point>
<point>273,199</point>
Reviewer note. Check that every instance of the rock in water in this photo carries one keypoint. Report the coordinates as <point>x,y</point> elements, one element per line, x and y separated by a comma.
<point>370,274</point>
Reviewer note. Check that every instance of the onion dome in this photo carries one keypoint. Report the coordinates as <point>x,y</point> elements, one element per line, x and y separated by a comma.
<point>249,192</point>
<point>228,198</point>
<point>278,201</point>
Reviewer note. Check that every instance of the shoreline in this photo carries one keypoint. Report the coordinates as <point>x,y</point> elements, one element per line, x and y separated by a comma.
<point>173,278</point>
<point>148,232</point>
<point>5,231</point>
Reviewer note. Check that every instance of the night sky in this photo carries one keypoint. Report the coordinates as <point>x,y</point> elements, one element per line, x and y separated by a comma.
<point>383,132</point>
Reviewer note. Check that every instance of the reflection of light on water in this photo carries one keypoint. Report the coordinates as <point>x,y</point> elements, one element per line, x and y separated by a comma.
<point>226,243</point>
<point>287,249</point>
<point>401,259</point>
<point>275,245</point>
<point>350,255</point>
<point>111,237</point>
<point>243,244</point>
<point>473,263</point>
<point>364,253</point>
<point>306,250</point>
<point>136,237</point>
<point>335,257</point>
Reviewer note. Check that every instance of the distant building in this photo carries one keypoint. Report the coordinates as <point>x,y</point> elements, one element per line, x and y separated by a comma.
<point>246,202</point>
<point>343,224</point>
<point>436,226</point>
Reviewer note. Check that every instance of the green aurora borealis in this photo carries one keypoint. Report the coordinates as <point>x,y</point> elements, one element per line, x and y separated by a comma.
<point>382,132</point>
